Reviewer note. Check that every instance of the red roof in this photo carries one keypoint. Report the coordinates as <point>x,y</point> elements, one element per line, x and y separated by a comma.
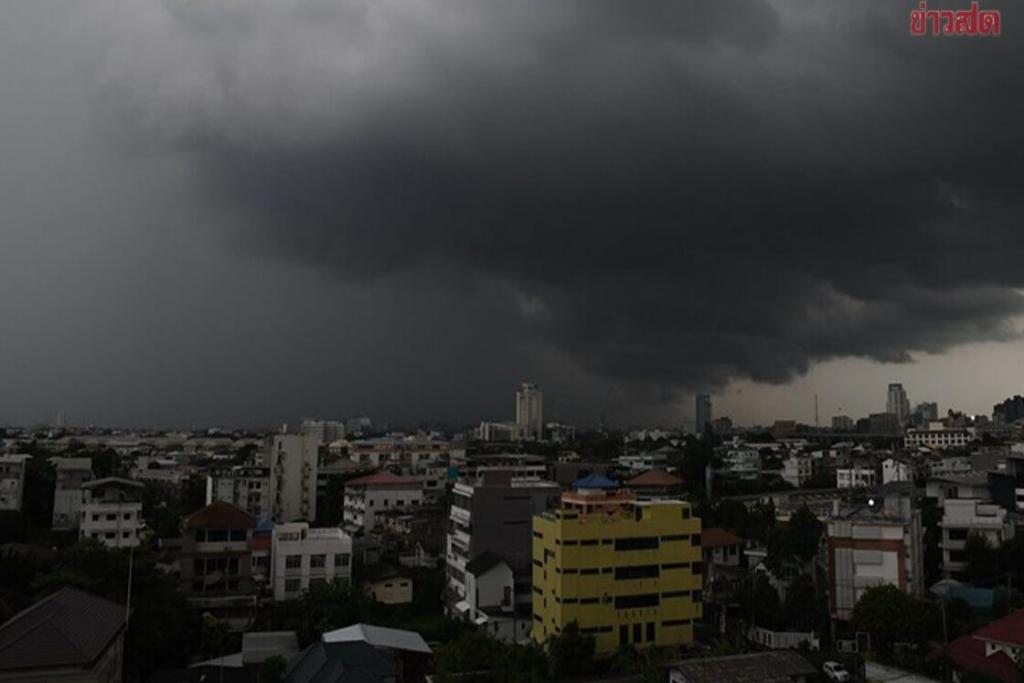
<point>1009,629</point>
<point>968,655</point>
<point>220,515</point>
<point>715,537</point>
<point>654,478</point>
<point>381,479</point>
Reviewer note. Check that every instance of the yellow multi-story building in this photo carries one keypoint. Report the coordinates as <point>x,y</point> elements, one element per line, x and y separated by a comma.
<point>627,571</point>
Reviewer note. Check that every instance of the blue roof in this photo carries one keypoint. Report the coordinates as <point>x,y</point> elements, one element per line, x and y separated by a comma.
<point>977,598</point>
<point>265,526</point>
<point>595,481</point>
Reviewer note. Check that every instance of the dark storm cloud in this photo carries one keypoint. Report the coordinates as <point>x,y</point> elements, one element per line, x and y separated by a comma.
<point>678,193</point>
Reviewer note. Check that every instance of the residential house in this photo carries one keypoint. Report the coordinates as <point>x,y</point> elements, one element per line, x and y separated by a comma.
<point>365,496</point>
<point>991,653</point>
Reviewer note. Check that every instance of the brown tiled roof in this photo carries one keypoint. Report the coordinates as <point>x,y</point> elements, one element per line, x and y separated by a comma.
<point>220,515</point>
<point>716,537</point>
<point>70,628</point>
<point>654,478</point>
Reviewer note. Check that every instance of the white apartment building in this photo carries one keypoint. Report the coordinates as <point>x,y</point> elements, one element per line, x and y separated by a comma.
<point>870,548</point>
<point>410,453</point>
<point>741,463</point>
<point>953,466</point>
<point>642,462</point>
<point>896,470</point>
<point>112,512</point>
<point>797,469</point>
<point>497,431</point>
<point>324,431</point>
<point>938,436</point>
<point>856,476</point>
<point>530,412</point>
<point>293,460</point>
<point>302,556</point>
<point>365,496</point>
<point>962,517</point>
<point>246,487</point>
<point>12,480</point>
<point>72,473</point>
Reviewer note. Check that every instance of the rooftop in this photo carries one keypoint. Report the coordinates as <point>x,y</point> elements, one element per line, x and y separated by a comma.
<point>656,478</point>
<point>220,515</point>
<point>69,628</point>
<point>762,667</point>
<point>379,636</point>
<point>112,481</point>
<point>716,537</point>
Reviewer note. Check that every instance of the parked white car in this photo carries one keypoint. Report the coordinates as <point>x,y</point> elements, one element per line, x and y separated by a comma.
<point>836,671</point>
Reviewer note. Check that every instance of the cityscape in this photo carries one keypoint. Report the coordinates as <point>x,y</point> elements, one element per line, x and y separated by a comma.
<point>523,549</point>
<point>511,341</point>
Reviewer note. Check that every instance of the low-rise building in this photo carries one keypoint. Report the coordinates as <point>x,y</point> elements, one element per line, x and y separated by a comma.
<point>777,667</point>
<point>797,469</point>
<point>656,485</point>
<point>856,476</point>
<point>992,653</point>
<point>12,480</point>
<point>938,436</point>
<point>389,585</point>
<point>71,473</point>
<point>963,517</point>
<point>896,470</point>
<point>302,556</point>
<point>111,512</point>
<point>741,463</point>
<point>216,563</point>
<point>365,496</point>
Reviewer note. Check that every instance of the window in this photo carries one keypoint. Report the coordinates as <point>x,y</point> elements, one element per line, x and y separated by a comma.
<point>676,565</point>
<point>127,515</point>
<point>95,518</point>
<point>292,585</point>
<point>238,534</point>
<point>317,561</point>
<point>695,539</point>
<point>677,622</point>
<point>647,571</point>
<point>293,562</point>
<point>676,594</point>
<point>126,535</point>
<point>216,535</point>
<point>111,518</point>
<point>110,534</point>
<point>635,601</point>
<point>638,633</point>
<point>675,537</point>
<point>650,631</point>
<point>341,560</point>
<point>592,541</point>
<point>589,571</point>
<point>638,543</point>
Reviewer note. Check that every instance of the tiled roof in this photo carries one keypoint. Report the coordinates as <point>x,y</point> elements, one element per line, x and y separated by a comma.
<point>220,515</point>
<point>381,479</point>
<point>654,478</point>
<point>716,537</point>
<point>70,628</point>
<point>968,655</point>
<point>1009,629</point>
<point>595,481</point>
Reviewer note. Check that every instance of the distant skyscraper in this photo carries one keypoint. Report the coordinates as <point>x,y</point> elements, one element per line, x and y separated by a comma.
<point>898,404</point>
<point>842,423</point>
<point>530,412</point>
<point>924,413</point>
<point>703,412</point>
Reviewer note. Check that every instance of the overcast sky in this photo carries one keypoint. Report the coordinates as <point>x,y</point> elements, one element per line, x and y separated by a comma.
<point>241,212</point>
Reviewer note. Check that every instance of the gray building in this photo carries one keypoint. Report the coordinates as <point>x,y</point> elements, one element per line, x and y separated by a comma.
<point>703,413</point>
<point>67,493</point>
<point>898,404</point>
<point>493,513</point>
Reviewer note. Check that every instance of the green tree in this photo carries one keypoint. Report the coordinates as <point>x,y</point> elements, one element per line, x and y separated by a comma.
<point>570,653</point>
<point>801,607</point>
<point>890,616</point>
<point>982,560</point>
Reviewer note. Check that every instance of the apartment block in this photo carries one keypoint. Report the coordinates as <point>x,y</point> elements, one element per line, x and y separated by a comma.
<point>111,512</point>
<point>366,496</point>
<point>244,486</point>
<point>293,460</point>
<point>304,556</point>
<point>628,572</point>
<point>12,480</point>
